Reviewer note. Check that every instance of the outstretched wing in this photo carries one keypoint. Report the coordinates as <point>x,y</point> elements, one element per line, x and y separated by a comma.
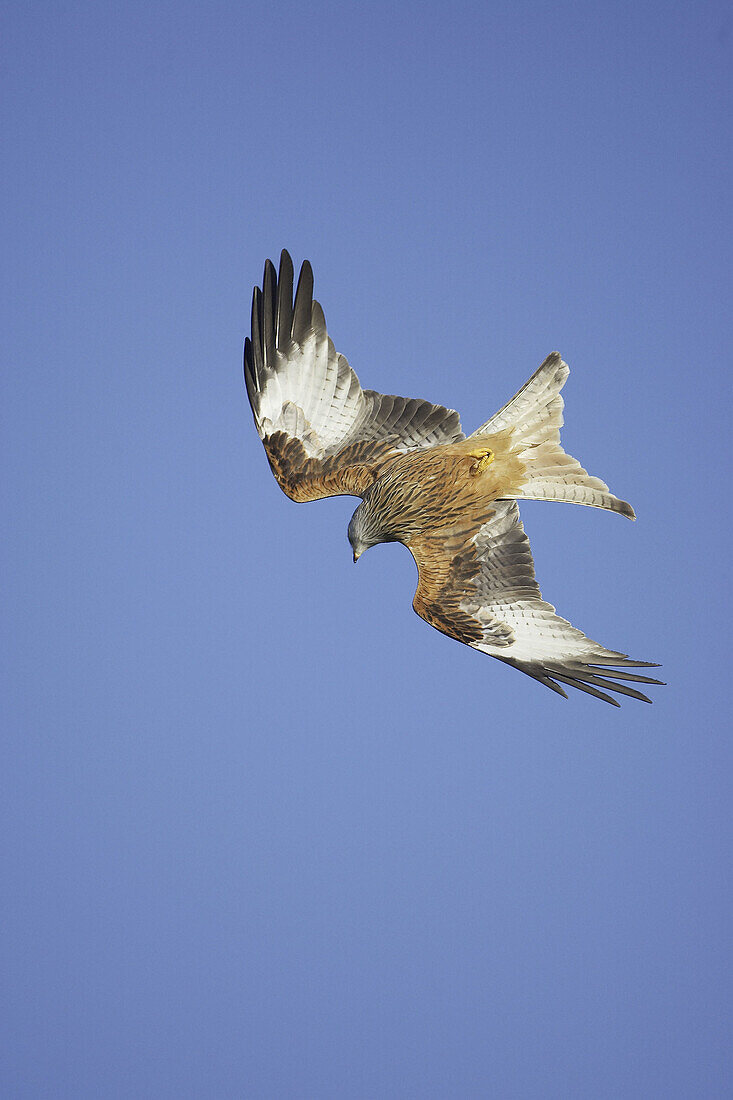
<point>477,584</point>
<point>324,435</point>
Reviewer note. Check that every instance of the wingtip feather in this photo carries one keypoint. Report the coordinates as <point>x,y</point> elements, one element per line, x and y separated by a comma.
<point>284,315</point>
<point>303,303</point>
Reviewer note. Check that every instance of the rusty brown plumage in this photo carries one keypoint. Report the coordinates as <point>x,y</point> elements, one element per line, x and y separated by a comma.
<point>434,502</point>
<point>350,472</point>
<point>447,567</point>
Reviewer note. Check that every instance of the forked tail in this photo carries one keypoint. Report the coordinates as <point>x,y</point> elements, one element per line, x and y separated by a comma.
<point>534,416</point>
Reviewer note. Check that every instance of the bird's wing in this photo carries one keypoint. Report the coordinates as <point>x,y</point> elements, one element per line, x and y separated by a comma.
<point>477,584</point>
<point>323,434</point>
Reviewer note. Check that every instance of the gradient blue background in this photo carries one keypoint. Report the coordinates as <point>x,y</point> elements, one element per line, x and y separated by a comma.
<point>266,834</point>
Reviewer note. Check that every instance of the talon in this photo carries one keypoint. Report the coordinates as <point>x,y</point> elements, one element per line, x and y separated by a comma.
<point>484,456</point>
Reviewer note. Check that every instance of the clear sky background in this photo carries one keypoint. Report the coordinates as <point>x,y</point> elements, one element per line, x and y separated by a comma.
<point>265,833</point>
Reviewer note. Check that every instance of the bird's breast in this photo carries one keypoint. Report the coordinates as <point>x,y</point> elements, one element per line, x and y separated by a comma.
<point>443,485</point>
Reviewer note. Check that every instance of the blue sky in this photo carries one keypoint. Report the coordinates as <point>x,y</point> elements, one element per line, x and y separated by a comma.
<point>265,833</point>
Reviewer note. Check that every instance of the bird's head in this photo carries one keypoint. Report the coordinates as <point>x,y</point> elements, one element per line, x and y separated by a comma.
<point>361,531</point>
<point>364,529</point>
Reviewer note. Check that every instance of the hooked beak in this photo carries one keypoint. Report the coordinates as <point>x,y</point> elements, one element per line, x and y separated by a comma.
<point>356,557</point>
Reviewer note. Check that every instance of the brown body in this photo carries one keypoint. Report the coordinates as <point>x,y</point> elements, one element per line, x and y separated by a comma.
<point>443,486</point>
<point>434,501</point>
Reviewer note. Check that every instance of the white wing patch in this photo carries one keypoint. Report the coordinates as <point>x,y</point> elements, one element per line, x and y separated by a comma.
<point>299,384</point>
<point>521,629</point>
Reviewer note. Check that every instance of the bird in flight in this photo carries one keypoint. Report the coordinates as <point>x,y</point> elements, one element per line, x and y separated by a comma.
<point>451,499</point>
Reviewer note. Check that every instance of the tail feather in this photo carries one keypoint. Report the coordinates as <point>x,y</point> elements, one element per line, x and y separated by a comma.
<point>535,416</point>
<point>555,475</point>
<point>535,412</point>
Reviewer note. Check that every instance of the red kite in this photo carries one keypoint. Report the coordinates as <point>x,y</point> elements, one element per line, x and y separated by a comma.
<point>450,499</point>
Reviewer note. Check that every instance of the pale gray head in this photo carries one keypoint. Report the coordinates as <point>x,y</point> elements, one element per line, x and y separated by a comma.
<point>364,529</point>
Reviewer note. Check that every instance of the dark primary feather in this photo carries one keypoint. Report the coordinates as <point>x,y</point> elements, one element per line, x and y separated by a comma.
<point>268,315</point>
<point>303,300</point>
<point>284,316</point>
